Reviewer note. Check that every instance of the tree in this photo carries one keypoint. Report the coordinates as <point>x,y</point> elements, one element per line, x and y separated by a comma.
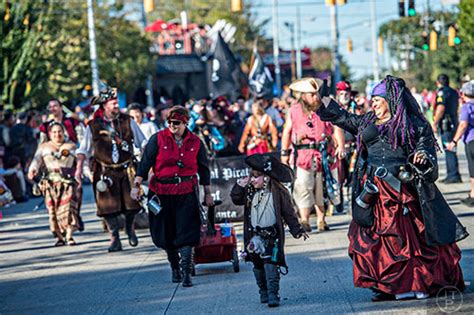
<point>465,24</point>
<point>22,30</point>
<point>405,41</point>
<point>124,57</point>
<point>48,56</point>
<point>122,49</point>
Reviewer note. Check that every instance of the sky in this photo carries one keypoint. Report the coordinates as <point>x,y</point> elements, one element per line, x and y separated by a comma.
<point>353,22</point>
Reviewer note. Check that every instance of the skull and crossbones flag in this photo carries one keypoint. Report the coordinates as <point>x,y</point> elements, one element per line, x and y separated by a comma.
<point>224,74</point>
<point>260,78</point>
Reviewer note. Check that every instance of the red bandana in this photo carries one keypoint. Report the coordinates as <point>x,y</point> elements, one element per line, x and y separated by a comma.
<point>179,116</point>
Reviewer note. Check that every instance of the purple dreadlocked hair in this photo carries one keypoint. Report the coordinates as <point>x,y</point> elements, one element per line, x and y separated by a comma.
<point>405,111</point>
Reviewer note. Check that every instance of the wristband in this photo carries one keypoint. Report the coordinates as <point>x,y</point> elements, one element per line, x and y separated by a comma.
<point>455,142</point>
<point>285,152</point>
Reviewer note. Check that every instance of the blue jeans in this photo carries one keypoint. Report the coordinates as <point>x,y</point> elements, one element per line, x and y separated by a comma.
<point>452,167</point>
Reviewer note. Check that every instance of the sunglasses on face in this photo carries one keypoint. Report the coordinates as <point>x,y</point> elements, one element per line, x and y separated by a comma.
<point>175,122</point>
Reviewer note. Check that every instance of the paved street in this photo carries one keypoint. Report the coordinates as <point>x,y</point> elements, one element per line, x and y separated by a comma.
<point>37,278</point>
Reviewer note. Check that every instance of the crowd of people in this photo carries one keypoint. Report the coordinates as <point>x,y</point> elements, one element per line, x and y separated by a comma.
<point>383,151</point>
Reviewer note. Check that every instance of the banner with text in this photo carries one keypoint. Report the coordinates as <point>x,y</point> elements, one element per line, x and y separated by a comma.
<point>224,173</point>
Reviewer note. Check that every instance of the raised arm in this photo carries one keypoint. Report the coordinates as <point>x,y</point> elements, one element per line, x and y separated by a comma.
<point>331,111</point>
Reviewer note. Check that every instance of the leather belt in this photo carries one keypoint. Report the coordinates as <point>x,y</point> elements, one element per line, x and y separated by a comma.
<point>307,146</point>
<point>174,180</point>
<point>382,173</point>
<point>122,165</point>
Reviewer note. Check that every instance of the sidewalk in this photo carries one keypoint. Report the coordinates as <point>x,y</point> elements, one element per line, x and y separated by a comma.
<point>37,278</point>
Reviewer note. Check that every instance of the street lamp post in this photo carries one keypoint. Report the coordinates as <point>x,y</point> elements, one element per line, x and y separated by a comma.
<point>299,68</point>
<point>335,44</point>
<point>92,48</point>
<point>375,57</point>
<point>276,48</point>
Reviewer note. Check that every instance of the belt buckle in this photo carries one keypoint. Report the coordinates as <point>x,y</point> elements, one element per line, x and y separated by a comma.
<point>381,172</point>
<point>179,180</point>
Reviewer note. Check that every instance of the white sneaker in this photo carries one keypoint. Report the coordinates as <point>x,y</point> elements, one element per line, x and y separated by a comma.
<point>421,295</point>
<point>407,295</point>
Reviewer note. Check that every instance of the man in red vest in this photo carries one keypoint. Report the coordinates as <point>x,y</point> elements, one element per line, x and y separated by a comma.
<point>74,128</point>
<point>177,157</point>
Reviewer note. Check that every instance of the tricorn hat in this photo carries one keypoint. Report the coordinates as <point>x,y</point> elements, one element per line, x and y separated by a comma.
<point>306,85</point>
<point>271,166</point>
<point>105,95</point>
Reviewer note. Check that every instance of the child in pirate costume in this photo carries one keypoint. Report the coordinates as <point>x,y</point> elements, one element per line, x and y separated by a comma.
<point>268,205</point>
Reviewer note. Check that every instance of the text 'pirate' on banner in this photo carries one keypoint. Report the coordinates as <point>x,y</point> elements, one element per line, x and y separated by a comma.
<point>224,173</point>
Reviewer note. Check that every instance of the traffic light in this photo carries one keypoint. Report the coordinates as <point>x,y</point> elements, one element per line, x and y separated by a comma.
<point>401,8</point>
<point>236,5</point>
<point>149,5</point>
<point>349,46</point>
<point>380,45</point>
<point>426,41</point>
<point>411,8</point>
<point>330,3</point>
<point>453,38</point>
<point>433,40</point>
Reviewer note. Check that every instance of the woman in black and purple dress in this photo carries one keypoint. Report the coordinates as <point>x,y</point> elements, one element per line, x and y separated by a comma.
<point>402,244</point>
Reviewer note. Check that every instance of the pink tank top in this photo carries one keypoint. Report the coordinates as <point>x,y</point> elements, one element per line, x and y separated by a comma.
<point>301,133</point>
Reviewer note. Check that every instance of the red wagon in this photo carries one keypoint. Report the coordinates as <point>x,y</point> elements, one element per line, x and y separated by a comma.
<point>217,245</point>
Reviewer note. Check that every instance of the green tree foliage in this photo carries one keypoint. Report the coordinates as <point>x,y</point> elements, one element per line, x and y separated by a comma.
<point>123,49</point>
<point>465,24</point>
<point>52,51</point>
<point>405,41</point>
<point>22,30</point>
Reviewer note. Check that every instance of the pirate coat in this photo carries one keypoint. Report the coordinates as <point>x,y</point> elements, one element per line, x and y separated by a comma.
<point>284,212</point>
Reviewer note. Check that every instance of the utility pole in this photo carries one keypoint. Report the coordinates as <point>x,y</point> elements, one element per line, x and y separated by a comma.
<point>375,57</point>
<point>92,48</point>
<point>291,28</point>
<point>335,44</point>
<point>149,80</point>
<point>276,45</point>
<point>299,68</point>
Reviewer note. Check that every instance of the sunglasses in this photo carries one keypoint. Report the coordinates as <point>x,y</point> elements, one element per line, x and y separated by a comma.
<point>175,122</point>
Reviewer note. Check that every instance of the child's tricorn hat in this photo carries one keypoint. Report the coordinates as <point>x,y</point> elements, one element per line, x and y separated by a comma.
<point>271,166</point>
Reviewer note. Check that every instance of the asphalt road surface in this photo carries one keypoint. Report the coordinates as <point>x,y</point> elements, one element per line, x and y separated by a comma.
<point>37,278</point>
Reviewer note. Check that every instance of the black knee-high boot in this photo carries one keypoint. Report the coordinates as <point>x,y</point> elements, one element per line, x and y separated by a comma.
<point>262,284</point>
<point>130,228</point>
<point>114,227</point>
<point>273,284</point>
<point>186,253</point>
<point>173,258</point>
